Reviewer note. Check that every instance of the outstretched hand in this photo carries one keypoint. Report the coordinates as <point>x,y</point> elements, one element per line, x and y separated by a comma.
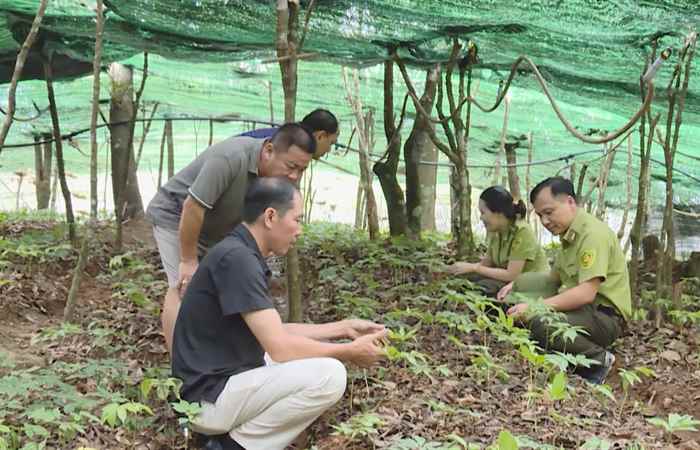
<point>459,268</point>
<point>355,328</point>
<point>367,349</point>
<point>505,290</point>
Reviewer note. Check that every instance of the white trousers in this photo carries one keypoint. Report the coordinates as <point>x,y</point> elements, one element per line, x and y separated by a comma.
<point>268,407</point>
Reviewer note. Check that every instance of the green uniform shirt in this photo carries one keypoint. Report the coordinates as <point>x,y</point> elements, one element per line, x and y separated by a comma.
<point>590,249</point>
<point>518,243</point>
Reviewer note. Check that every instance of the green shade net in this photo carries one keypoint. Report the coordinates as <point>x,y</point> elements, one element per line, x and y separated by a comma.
<point>216,57</point>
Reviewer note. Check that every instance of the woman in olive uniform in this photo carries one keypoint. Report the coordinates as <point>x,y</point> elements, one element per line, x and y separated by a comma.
<point>512,246</point>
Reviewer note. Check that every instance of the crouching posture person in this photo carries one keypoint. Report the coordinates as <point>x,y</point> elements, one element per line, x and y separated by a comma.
<point>227,322</point>
<point>512,246</point>
<point>589,282</point>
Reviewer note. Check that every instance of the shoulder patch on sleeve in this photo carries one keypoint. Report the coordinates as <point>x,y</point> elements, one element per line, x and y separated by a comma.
<point>587,259</point>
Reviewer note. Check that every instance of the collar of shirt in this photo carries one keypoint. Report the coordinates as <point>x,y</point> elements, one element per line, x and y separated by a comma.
<point>242,233</point>
<point>575,228</point>
<point>254,159</point>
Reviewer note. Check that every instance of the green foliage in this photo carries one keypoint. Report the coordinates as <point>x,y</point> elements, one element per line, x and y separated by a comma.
<point>415,361</point>
<point>115,414</point>
<point>188,411</point>
<point>30,249</point>
<point>361,425</point>
<point>135,281</point>
<point>419,443</point>
<point>163,387</point>
<point>596,443</point>
<point>675,423</point>
<point>484,365</point>
<point>506,441</point>
<point>557,390</point>
<point>634,376</point>
<point>54,404</point>
<point>60,332</point>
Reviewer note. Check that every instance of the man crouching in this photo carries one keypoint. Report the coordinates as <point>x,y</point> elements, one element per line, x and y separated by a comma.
<point>227,322</point>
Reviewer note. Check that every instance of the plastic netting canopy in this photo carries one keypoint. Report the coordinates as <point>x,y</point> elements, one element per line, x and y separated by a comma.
<point>591,52</point>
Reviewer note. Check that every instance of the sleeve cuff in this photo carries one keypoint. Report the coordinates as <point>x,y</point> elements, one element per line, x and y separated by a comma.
<point>199,200</point>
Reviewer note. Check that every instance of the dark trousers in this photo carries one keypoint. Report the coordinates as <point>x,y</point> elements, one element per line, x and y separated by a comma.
<point>602,324</point>
<point>488,286</point>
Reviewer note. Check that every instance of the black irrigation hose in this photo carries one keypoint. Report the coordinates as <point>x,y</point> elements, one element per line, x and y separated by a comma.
<point>73,134</point>
<point>267,122</point>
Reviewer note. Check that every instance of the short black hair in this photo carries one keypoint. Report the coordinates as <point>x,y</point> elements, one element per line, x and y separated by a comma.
<point>295,134</point>
<point>499,200</point>
<point>267,192</point>
<point>320,120</point>
<point>558,185</point>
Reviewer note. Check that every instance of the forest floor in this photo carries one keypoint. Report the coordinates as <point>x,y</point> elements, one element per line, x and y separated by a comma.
<point>458,376</point>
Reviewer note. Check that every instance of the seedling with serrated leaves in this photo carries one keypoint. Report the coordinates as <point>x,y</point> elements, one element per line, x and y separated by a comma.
<point>361,425</point>
<point>162,387</point>
<point>115,414</point>
<point>402,335</point>
<point>631,377</point>
<point>484,366</point>
<point>675,423</point>
<point>558,389</point>
<point>188,411</point>
<point>420,443</point>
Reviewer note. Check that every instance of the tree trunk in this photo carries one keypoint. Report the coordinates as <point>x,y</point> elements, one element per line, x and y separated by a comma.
<point>171,147</point>
<point>72,300</point>
<point>125,188</point>
<point>366,205</point>
<point>635,238</point>
<point>161,157</point>
<point>603,181</point>
<point>464,237</point>
<point>386,170</point>
<point>96,68</point>
<point>513,179</point>
<point>417,145</point>
<point>286,43</point>
<point>42,168</point>
<point>673,125</point>
<point>628,184</point>
<point>145,131</point>
<point>502,147</point>
<point>60,166</point>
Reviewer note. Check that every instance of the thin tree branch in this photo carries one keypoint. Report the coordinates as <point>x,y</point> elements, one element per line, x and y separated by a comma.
<point>19,67</point>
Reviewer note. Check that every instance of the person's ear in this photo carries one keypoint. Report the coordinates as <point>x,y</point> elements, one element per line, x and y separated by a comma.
<point>270,216</point>
<point>267,150</point>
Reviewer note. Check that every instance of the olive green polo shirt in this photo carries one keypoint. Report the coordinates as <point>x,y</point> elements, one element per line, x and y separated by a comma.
<point>517,243</point>
<point>218,180</point>
<point>590,249</point>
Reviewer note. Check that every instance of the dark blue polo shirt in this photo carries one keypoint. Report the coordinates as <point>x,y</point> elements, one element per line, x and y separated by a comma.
<point>212,342</point>
<point>260,133</point>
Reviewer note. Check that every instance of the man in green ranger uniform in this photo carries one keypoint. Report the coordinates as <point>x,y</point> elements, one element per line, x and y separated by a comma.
<point>589,282</point>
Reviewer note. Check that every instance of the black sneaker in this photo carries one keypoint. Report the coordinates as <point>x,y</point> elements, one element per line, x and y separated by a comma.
<point>597,374</point>
<point>221,442</point>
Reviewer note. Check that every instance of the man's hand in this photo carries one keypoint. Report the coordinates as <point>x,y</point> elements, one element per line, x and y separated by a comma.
<point>505,290</point>
<point>185,272</point>
<point>367,350</point>
<point>355,328</point>
<point>459,268</point>
<point>518,310</point>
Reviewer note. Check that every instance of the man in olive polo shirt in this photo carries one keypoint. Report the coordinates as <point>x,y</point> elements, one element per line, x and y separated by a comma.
<point>203,202</point>
<point>589,282</point>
